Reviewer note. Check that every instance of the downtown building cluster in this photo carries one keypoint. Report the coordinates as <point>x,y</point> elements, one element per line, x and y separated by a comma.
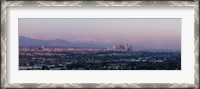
<point>121,57</point>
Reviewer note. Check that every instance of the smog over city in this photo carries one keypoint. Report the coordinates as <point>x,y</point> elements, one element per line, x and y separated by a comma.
<point>99,44</point>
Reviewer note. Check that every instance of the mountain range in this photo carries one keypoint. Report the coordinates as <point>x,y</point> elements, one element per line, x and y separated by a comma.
<point>28,42</point>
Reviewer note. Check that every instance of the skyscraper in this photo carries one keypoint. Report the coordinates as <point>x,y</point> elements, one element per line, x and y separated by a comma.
<point>126,47</point>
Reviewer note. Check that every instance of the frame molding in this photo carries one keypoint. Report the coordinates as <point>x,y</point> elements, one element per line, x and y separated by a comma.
<point>4,4</point>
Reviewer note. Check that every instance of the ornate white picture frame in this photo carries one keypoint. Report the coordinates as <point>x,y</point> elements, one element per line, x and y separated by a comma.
<point>6,6</point>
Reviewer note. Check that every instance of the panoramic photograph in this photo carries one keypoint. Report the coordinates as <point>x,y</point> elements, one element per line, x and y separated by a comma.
<point>99,43</point>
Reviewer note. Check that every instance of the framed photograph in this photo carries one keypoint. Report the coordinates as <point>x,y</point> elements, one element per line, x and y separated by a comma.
<point>100,44</point>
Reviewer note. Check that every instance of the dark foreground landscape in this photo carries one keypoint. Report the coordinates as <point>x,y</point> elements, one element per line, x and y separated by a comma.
<point>97,59</point>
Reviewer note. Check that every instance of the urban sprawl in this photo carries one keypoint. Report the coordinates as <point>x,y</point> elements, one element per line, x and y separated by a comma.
<point>117,57</point>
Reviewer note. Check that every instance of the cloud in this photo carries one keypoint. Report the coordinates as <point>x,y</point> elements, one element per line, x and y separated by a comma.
<point>84,40</point>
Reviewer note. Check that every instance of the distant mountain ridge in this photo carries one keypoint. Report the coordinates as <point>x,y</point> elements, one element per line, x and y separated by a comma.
<point>26,41</point>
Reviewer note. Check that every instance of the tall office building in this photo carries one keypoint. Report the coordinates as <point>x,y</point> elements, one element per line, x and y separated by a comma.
<point>126,47</point>
<point>114,47</point>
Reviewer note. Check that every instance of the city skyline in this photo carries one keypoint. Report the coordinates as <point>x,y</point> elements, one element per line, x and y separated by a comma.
<point>142,33</point>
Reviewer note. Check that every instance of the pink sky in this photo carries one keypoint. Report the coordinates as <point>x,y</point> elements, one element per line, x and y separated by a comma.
<point>146,33</point>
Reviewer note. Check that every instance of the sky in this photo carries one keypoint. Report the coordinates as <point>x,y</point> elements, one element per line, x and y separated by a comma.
<point>141,33</point>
